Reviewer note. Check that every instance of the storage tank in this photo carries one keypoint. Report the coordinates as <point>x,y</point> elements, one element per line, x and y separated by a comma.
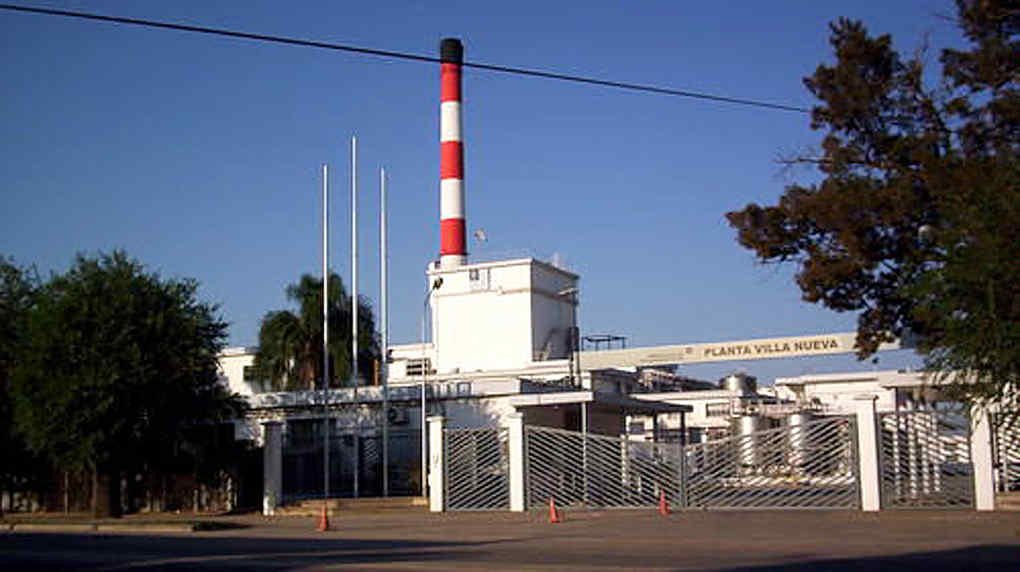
<point>745,428</point>
<point>801,442</point>
<point>740,383</point>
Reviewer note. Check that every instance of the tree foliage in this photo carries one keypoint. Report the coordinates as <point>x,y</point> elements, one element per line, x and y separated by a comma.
<point>915,222</point>
<point>117,368</point>
<point>290,344</point>
<point>18,287</point>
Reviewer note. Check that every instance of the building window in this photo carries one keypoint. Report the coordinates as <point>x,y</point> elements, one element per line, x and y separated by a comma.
<point>636,428</point>
<point>717,410</point>
<point>418,367</point>
<point>478,279</point>
<point>248,373</point>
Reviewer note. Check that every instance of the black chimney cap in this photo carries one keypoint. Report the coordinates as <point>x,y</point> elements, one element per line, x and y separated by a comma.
<point>451,50</point>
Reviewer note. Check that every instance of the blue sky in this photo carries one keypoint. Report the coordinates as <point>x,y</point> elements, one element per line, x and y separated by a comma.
<point>201,155</point>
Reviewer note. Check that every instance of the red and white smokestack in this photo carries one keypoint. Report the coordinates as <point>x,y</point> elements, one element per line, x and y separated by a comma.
<point>453,241</point>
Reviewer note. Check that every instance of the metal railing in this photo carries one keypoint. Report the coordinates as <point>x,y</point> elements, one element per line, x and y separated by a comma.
<point>476,469</point>
<point>925,459</point>
<point>1006,454</point>
<point>810,465</point>
<point>596,471</point>
<point>355,464</point>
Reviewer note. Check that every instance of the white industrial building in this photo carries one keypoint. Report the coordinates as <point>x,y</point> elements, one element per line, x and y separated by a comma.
<point>503,352</point>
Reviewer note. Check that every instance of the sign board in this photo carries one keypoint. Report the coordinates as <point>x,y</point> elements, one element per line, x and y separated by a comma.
<point>763,348</point>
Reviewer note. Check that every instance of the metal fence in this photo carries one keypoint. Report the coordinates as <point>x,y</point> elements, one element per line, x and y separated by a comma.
<point>595,471</point>
<point>808,465</point>
<point>925,459</point>
<point>477,466</point>
<point>355,463</point>
<point>1006,454</point>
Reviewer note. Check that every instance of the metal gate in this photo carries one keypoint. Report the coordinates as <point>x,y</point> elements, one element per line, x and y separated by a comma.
<point>809,465</point>
<point>477,469</point>
<point>925,459</point>
<point>595,471</point>
<point>1006,454</point>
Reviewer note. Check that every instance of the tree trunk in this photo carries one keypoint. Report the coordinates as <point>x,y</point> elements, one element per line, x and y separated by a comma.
<point>114,484</point>
<point>105,494</point>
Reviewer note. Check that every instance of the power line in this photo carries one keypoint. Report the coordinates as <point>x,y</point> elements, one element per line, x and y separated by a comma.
<point>402,56</point>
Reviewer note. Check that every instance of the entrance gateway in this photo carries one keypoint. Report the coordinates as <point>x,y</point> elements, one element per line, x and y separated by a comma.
<point>812,463</point>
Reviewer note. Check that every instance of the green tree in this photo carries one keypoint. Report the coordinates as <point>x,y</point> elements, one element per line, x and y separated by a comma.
<point>915,222</point>
<point>117,368</point>
<point>20,469</point>
<point>290,344</point>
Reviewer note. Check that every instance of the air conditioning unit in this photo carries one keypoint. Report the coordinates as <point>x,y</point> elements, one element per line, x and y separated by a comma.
<point>397,416</point>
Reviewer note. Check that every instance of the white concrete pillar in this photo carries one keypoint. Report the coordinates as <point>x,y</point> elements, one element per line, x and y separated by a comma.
<point>867,454</point>
<point>436,476</point>
<point>515,426</point>
<point>981,457</point>
<point>272,466</point>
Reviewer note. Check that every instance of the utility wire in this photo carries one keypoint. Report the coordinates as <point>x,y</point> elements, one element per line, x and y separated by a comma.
<point>401,56</point>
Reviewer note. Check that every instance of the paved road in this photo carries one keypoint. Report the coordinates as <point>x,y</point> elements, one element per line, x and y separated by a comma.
<point>922,540</point>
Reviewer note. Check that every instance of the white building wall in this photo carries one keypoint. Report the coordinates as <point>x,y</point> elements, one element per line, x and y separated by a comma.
<point>836,393</point>
<point>232,364</point>
<point>485,316</point>
<point>553,311</point>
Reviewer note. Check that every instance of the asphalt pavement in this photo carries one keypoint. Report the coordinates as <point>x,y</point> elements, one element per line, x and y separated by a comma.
<point>618,540</point>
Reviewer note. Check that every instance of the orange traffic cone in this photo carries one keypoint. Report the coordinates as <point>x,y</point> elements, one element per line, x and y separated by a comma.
<point>663,507</point>
<point>554,515</point>
<point>323,519</point>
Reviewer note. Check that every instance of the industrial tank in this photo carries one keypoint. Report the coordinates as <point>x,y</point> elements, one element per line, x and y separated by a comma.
<point>740,383</point>
<point>745,427</point>
<point>801,442</point>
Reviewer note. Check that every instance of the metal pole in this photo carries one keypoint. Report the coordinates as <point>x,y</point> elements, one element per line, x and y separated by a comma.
<point>384,367</point>
<point>576,333</point>
<point>584,449</point>
<point>682,489</point>
<point>424,379</point>
<point>424,442</point>
<point>325,335</point>
<point>354,265</point>
<point>425,374</point>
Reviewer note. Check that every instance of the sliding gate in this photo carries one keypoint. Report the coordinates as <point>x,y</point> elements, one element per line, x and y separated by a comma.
<point>595,471</point>
<point>477,468</point>
<point>807,465</point>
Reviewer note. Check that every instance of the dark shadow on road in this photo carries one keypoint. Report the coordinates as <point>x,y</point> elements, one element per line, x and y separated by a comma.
<point>45,551</point>
<point>31,551</point>
<point>992,557</point>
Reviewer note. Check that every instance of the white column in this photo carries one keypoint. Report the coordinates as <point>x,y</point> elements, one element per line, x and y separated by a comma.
<point>272,466</point>
<point>981,457</point>
<point>436,476</point>
<point>867,453</point>
<point>515,427</point>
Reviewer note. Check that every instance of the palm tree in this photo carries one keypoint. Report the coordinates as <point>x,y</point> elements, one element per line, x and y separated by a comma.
<point>290,344</point>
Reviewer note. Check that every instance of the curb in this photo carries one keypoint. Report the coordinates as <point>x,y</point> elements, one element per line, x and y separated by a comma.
<point>103,527</point>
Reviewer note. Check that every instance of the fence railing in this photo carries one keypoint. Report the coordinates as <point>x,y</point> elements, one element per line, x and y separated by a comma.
<point>926,460</point>
<point>355,464</point>
<point>868,461</point>
<point>809,465</point>
<point>477,466</point>
<point>595,471</point>
<point>1006,454</point>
